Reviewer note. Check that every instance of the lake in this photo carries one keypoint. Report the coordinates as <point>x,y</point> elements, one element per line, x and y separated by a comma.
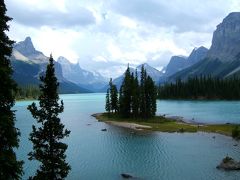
<point>94,154</point>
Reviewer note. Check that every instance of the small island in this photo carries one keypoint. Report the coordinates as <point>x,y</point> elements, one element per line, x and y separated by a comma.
<point>164,124</point>
<point>134,107</point>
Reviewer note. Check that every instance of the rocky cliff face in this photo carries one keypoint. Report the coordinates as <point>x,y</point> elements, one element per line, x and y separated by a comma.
<point>27,49</point>
<point>226,39</point>
<point>196,55</point>
<point>74,73</point>
<point>179,63</point>
<point>176,63</point>
<point>223,58</point>
<point>28,64</point>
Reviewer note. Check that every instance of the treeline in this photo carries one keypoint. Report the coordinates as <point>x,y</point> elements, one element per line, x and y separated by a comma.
<point>201,88</point>
<point>27,92</point>
<point>135,99</point>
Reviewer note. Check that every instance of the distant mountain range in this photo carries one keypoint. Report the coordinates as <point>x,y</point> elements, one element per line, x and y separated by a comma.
<point>28,64</point>
<point>176,64</point>
<point>74,73</point>
<point>221,60</point>
<point>154,73</point>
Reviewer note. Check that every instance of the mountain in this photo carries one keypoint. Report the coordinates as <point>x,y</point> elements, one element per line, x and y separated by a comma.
<point>27,49</point>
<point>152,72</point>
<point>197,55</point>
<point>223,57</point>
<point>178,63</point>
<point>225,42</point>
<point>28,64</point>
<point>74,73</point>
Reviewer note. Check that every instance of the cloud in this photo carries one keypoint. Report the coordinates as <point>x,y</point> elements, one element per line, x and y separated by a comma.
<point>106,35</point>
<point>183,15</point>
<point>49,14</point>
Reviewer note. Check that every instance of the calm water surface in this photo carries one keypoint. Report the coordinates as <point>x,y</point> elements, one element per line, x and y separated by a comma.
<point>94,154</point>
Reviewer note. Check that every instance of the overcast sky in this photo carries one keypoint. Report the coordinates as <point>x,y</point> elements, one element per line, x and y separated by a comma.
<point>106,35</point>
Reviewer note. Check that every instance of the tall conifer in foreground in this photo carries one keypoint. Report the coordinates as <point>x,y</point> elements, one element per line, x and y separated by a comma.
<point>48,147</point>
<point>10,167</point>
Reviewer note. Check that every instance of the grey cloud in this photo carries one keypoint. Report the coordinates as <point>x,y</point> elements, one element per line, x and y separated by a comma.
<point>185,15</point>
<point>34,17</point>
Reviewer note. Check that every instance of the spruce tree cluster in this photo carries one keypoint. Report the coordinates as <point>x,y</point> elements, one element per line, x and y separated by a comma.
<point>136,100</point>
<point>201,88</point>
<point>47,136</point>
<point>10,167</point>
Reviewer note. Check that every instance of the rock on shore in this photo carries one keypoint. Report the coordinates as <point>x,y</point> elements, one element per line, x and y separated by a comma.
<point>229,164</point>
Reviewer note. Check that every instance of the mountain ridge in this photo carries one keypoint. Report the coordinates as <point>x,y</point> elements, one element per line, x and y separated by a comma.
<point>223,57</point>
<point>28,64</point>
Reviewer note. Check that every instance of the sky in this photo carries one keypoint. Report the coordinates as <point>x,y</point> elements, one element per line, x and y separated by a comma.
<point>106,35</point>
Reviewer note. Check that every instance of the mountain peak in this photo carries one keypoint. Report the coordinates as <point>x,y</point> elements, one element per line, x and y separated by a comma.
<point>63,60</point>
<point>197,54</point>
<point>28,39</point>
<point>26,47</point>
<point>233,16</point>
<point>145,65</point>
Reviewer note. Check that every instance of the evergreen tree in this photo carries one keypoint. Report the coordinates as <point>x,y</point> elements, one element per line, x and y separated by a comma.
<point>113,96</point>
<point>108,106</point>
<point>142,96</point>
<point>48,147</point>
<point>126,95</point>
<point>10,167</point>
<point>135,96</point>
<point>120,101</point>
<point>202,87</point>
<point>151,96</point>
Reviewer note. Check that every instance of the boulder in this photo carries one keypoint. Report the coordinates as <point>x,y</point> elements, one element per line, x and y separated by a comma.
<point>229,163</point>
<point>126,176</point>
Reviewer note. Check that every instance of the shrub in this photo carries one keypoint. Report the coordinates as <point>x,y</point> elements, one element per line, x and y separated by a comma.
<point>236,132</point>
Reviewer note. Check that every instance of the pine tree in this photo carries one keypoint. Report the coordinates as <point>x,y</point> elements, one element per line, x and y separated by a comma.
<point>107,105</point>
<point>10,167</point>
<point>142,96</point>
<point>125,95</point>
<point>48,147</point>
<point>151,96</point>
<point>135,96</point>
<point>113,96</point>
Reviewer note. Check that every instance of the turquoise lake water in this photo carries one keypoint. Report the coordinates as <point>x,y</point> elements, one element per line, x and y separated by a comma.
<point>97,155</point>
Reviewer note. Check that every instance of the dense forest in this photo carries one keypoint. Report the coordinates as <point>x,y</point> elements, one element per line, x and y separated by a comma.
<point>27,92</point>
<point>201,88</point>
<point>135,99</point>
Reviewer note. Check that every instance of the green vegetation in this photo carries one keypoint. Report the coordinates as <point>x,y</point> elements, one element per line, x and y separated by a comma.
<point>163,124</point>
<point>135,100</point>
<point>10,167</point>
<point>201,88</point>
<point>47,137</point>
<point>113,97</point>
<point>236,132</point>
<point>27,92</point>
